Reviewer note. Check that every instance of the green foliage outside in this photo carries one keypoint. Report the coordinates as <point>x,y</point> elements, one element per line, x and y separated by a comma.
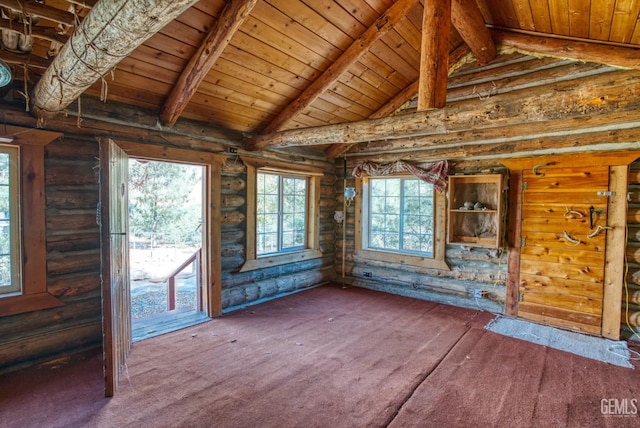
<point>5,229</point>
<point>401,215</point>
<point>165,203</point>
<point>280,196</point>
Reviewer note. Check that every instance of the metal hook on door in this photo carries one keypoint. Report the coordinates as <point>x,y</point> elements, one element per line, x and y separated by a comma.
<point>535,172</point>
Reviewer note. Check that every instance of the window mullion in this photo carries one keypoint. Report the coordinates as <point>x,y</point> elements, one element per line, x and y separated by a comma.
<point>280,216</point>
<point>402,202</point>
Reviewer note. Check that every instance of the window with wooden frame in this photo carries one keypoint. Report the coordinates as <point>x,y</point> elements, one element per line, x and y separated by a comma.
<point>26,200</point>
<point>283,213</point>
<point>10,242</point>
<point>400,219</point>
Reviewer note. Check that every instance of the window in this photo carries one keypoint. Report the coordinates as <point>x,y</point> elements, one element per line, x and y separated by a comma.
<point>283,213</point>
<point>401,216</point>
<point>400,219</point>
<point>10,248</point>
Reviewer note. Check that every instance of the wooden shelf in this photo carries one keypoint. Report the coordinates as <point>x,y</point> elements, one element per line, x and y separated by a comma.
<point>475,227</point>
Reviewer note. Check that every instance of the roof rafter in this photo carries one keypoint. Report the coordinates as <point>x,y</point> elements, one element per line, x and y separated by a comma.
<point>41,10</point>
<point>359,47</point>
<point>46,33</point>
<point>468,20</point>
<point>231,18</point>
<point>335,150</point>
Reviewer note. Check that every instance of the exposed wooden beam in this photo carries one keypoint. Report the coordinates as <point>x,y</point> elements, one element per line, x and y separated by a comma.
<point>231,18</point>
<point>399,100</point>
<point>124,122</point>
<point>46,33</point>
<point>110,32</point>
<point>354,52</point>
<point>31,61</point>
<point>87,4</point>
<point>38,9</point>
<point>548,146</point>
<point>507,134</point>
<point>466,17</point>
<point>618,56</point>
<point>600,94</point>
<point>434,56</point>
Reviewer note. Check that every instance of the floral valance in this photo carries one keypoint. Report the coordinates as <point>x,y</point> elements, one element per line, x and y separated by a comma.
<point>435,173</point>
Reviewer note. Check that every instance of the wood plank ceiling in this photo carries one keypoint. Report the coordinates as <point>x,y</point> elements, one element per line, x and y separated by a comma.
<point>271,65</point>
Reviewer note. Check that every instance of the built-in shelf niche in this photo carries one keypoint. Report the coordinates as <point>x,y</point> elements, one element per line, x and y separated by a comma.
<point>478,223</point>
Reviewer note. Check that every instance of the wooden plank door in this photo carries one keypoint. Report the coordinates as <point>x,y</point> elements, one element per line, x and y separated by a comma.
<point>562,251</point>
<point>116,304</point>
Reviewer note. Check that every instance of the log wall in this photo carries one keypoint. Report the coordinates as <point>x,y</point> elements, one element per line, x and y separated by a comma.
<point>500,86</point>
<point>73,255</point>
<point>73,263</point>
<point>471,268</point>
<point>631,291</point>
<point>242,288</point>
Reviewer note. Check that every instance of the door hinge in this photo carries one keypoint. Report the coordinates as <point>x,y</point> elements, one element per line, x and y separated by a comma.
<point>524,186</point>
<point>523,242</point>
<point>520,297</point>
<point>605,193</point>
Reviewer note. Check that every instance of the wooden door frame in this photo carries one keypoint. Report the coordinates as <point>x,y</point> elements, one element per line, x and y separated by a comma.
<point>211,244</point>
<point>618,163</point>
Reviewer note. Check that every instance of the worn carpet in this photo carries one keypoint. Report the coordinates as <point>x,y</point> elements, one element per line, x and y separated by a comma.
<point>330,357</point>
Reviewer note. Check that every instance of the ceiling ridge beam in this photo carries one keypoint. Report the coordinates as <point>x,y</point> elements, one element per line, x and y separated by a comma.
<point>617,56</point>
<point>350,56</point>
<point>231,18</point>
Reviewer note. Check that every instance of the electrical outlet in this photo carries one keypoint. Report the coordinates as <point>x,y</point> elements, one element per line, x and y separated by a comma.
<point>478,293</point>
<point>367,274</point>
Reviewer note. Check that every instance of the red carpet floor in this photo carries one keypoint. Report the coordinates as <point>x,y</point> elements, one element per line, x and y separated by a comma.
<point>330,357</point>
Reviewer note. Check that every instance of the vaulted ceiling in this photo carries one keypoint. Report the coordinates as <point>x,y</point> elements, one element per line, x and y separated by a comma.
<point>262,66</point>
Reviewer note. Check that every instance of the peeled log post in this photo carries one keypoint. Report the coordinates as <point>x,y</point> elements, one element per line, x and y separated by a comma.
<point>434,56</point>
<point>112,30</point>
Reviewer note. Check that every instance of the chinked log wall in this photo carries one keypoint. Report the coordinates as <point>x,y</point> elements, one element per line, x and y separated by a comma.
<point>73,262</point>
<point>470,268</point>
<point>73,250</point>
<point>631,293</point>
<point>498,87</point>
<point>239,288</point>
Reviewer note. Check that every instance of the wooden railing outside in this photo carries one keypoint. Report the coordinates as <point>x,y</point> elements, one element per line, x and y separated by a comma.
<point>194,259</point>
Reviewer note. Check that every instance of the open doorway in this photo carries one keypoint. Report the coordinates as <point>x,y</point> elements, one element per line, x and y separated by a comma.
<point>165,246</point>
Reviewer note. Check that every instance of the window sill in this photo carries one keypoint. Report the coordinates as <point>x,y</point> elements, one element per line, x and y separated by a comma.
<point>280,259</point>
<point>403,259</point>
<point>27,303</point>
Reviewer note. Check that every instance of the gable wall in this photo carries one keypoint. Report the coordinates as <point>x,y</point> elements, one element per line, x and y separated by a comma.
<point>599,115</point>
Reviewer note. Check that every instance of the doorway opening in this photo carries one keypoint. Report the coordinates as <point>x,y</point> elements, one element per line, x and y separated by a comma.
<point>166,236</point>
